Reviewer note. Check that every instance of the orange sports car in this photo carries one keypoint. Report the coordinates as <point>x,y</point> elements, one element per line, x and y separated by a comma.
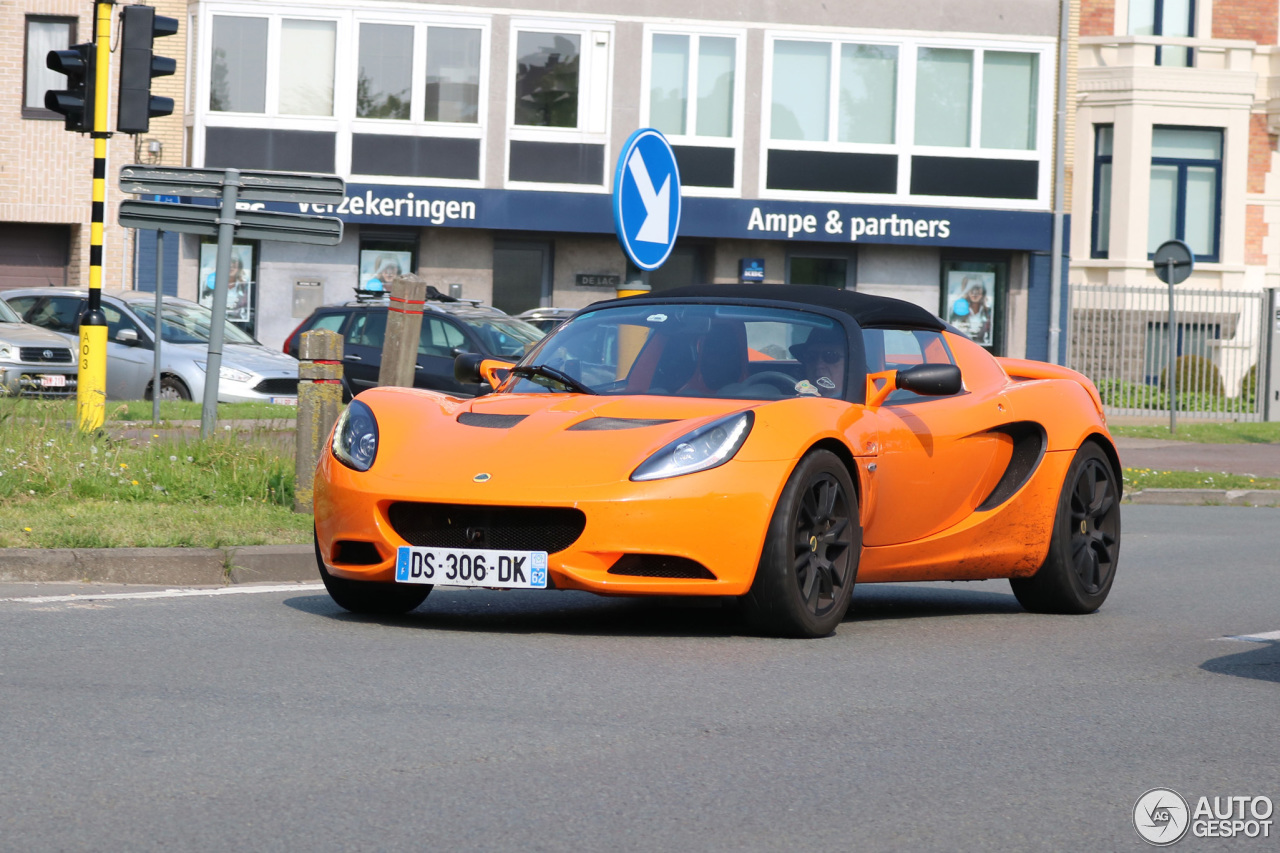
<point>772,443</point>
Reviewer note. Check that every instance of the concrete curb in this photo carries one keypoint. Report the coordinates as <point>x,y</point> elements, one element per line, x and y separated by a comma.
<point>160,566</point>
<point>1205,497</point>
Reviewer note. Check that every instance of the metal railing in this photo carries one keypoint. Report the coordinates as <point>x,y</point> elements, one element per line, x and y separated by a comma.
<point>1120,338</point>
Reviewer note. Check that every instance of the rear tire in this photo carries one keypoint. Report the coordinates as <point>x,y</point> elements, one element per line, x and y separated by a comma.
<point>1078,572</point>
<point>804,582</point>
<point>370,597</point>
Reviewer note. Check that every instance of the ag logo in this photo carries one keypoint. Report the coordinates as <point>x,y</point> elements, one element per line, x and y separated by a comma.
<point>1161,817</point>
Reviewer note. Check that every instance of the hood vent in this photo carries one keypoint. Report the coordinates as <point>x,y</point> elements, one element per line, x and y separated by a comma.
<point>483,419</point>
<point>619,423</point>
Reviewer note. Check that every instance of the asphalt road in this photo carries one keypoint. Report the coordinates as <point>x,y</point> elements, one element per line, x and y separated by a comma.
<point>938,717</point>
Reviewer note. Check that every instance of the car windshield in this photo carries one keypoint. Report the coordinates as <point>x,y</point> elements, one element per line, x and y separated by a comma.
<point>691,350</point>
<point>7,315</point>
<point>504,336</point>
<point>187,323</point>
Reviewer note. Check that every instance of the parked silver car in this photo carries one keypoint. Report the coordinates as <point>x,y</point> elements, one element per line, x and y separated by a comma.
<point>34,362</point>
<point>250,372</point>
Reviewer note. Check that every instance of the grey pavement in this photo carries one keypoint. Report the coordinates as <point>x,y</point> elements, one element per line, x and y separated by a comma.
<point>294,563</point>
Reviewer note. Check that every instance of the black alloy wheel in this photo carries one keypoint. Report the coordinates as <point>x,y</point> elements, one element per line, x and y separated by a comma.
<point>1077,574</point>
<point>805,579</point>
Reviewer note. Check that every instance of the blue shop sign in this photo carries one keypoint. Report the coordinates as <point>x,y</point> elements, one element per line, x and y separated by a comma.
<point>731,218</point>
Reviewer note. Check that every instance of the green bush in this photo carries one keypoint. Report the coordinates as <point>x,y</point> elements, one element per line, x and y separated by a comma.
<point>1196,375</point>
<point>1249,385</point>
<point>1119,394</point>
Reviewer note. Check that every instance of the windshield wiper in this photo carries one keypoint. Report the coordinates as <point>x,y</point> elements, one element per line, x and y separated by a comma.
<point>554,375</point>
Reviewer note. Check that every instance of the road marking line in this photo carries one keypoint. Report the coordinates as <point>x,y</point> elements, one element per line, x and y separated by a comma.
<point>1268,637</point>
<point>167,593</point>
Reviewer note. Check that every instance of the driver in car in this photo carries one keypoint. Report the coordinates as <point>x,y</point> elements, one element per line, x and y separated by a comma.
<point>823,357</point>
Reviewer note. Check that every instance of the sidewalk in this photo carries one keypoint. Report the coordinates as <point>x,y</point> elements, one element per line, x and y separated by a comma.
<point>296,563</point>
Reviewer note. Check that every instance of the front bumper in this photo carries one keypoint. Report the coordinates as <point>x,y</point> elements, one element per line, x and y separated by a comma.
<point>38,380</point>
<point>716,518</point>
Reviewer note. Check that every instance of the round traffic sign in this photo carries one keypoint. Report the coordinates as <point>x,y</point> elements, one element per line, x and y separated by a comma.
<point>1173,258</point>
<point>646,198</point>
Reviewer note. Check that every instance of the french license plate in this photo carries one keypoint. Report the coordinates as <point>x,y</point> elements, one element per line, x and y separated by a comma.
<point>285,401</point>
<point>53,380</point>
<point>472,567</point>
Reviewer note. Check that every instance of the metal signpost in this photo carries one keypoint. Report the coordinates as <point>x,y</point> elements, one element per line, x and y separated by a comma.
<point>226,223</point>
<point>1173,262</point>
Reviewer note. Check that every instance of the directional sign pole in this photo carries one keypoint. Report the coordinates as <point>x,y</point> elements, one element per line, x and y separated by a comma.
<point>1173,361</point>
<point>155,374</point>
<point>213,367</point>
<point>1174,262</point>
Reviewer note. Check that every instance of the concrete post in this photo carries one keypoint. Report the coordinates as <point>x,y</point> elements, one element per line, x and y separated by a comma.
<point>319,403</point>
<point>404,325</point>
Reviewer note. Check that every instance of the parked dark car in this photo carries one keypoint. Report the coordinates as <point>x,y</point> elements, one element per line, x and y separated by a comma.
<point>449,328</point>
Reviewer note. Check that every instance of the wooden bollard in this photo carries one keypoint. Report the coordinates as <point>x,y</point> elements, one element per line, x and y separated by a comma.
<point>404,325</point>
<point>319,403</point>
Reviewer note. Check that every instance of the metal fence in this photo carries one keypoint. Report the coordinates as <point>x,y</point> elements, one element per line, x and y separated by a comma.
<point>1120,338</point>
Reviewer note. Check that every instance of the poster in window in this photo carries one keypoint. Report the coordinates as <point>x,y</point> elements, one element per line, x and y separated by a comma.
<point>239,281</point>
<point>380,267</point>
<point>971,304</point>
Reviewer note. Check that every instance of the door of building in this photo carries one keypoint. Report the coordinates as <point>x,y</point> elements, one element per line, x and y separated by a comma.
<point>521,274</point>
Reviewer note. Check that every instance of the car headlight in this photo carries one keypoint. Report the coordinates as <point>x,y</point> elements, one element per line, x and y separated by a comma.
<point>229,372</point>
<point>355,437</point>
<point>707,447</point>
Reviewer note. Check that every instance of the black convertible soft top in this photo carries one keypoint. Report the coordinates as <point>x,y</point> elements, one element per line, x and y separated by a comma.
<point>867,310</point>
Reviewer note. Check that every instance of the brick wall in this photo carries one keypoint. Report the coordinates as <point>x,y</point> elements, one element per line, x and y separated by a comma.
<point>1261,146</point>
<point>46,172</point>
<point>1097,17</point>
<point>1254,20</point>
<point>1255,233</point>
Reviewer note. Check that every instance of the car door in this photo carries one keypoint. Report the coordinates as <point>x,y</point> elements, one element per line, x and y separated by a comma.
<point>362,348</point>
<point>130,361</point>
<point>440,342</point>
<point>936,457</point>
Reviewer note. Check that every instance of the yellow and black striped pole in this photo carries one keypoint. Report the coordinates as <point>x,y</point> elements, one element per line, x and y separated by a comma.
<point>91,388</point>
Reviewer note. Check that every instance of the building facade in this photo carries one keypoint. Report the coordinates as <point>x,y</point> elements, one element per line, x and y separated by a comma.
<point>1178,107</point>
<point>903,149</point>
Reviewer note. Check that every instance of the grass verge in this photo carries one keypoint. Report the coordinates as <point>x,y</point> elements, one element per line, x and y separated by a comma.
<point>1228,433</point>
<point>1136,479</point>
<point>60,487</point>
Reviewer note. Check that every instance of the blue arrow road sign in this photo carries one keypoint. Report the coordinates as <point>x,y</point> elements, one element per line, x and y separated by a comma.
<point>646,199</point>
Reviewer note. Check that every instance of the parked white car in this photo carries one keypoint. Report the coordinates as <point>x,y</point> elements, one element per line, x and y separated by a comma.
<point>250,372</point>
<point>34,362</point>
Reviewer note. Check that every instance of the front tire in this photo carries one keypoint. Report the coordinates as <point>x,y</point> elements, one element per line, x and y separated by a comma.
<point>1078,572</point>
<point>370,597</point>
<point>805,578</point>
<point>171,388</point>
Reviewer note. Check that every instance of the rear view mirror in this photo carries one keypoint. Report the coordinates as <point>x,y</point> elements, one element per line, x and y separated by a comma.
<point>931,380</point>
<point>471,368</point>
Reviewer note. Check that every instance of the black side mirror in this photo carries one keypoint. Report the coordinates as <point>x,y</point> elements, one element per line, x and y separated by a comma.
<point>466,367</point>
<point>931,380</point>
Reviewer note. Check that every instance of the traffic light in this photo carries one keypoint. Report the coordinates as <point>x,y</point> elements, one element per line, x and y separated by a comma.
<point>76,101</point>
<point>140,26</point>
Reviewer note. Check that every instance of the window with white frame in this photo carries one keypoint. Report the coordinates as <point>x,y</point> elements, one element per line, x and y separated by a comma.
<point>907,118</point>
<point>559,104</point>
<point>389,93</point>
<point>44,33</point>
<point>693,98</point>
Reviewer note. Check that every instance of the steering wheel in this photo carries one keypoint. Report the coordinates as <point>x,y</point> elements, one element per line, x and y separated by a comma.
<point>775,379</point>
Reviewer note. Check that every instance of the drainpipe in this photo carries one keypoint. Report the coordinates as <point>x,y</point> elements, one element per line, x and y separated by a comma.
<point>1059,186</point>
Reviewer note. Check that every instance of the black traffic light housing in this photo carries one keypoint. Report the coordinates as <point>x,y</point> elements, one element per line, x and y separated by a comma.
<point>75,102</point>
<point>140,26</point>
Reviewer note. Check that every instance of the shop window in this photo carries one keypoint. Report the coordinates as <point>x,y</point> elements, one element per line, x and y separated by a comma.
<point>1175,18</point>
<point>384,256</point>
<point>1186,187</point>
<point>241,283</point>
<point>974,292</point>
<point>44,33</point>
<point>1103,140</point>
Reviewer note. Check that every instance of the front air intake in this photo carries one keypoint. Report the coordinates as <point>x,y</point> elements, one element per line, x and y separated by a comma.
<point>661,566</point>
<point>502,528</point>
